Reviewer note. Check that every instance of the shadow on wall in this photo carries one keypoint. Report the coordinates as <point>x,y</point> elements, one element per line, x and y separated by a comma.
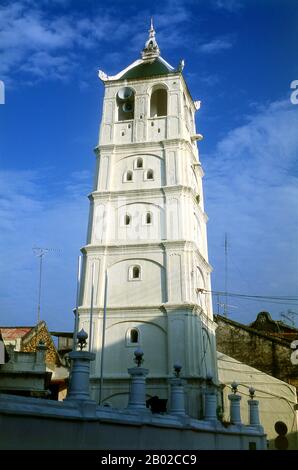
<point>119,357</point>
<point>283,440</point>
<point>124,334</point>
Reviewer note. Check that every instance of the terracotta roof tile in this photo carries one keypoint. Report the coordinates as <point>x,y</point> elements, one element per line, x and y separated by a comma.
<point>14,333</point>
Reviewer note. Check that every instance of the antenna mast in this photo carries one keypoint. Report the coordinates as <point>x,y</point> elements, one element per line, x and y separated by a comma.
<point>289,316</point>
<point>40,253</point>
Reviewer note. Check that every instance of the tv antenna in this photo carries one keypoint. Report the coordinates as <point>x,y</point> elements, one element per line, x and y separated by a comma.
<point>289,316</point>
<point>40,253</point>
<point>224,305</point>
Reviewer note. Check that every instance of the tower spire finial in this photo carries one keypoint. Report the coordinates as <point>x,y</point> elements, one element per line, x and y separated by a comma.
<point>151,48</point>
<point>151,24</point>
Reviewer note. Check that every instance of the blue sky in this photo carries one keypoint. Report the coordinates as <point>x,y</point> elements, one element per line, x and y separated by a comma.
<point>240,56</point>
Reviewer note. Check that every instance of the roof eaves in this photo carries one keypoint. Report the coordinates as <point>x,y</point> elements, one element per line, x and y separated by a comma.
<point>112,78</point>
<point>252,330</point>
<point>169,66</point>
<point>142,78</point>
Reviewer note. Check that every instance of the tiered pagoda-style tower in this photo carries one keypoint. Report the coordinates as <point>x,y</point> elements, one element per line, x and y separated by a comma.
<point>147,243</point>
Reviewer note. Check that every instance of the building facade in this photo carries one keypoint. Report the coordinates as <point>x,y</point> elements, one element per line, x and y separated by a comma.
<point>33,365</point>
<point>264,344</point>
<point>277,400</point>
<point>146,256</point>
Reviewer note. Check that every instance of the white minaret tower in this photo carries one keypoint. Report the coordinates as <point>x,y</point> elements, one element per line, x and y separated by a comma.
<point>147,243</point>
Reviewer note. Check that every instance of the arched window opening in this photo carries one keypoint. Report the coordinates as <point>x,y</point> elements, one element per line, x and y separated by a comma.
<point>159,102</point>
<point>139,163</point>
<point>128,176</point>
<point>136,272</point>
<point>148,218</point>
<point>149,175</point>
<point>134,335</point>
<point>127,219</point>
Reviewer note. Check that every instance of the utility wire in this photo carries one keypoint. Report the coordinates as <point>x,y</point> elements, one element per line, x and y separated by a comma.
<point>289,300</point>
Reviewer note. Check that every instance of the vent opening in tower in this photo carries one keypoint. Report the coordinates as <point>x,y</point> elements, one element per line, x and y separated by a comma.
<point>125,103</point>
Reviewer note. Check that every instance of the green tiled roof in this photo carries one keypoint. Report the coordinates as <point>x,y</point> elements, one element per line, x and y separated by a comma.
<point>147,69</point>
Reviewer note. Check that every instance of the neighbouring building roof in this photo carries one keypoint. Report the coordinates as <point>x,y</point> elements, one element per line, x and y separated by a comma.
<point>14,332</point>
<point>262,349</point>
<point>27,338</point>
<point>250,329</point>
<point>65,341</point>
<point>275,328</point>
<point>62,334</point>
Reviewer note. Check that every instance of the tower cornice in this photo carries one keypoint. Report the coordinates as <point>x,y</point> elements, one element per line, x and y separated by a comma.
<point>147,193</point>
<point>160,310</point>
<point>132,193</point>
<point>144,248</point>
<point>162,144</point>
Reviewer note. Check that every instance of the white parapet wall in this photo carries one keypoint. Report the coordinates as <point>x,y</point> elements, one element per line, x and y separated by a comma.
<point>32,423</point>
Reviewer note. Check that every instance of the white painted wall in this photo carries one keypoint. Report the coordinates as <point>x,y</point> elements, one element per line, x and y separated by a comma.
<point>43,424</point>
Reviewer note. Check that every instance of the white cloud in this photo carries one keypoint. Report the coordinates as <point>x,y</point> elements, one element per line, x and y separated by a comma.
<point>252,194</point>
<point>43,65</point>
<point>216,45</point>
<point>30,29</point>
<point>30,216</point>
<point>229,5</point>
<point>32,40</point>
<point>48,45</point>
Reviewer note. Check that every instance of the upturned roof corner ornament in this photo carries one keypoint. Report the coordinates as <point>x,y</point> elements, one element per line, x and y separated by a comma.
<point>151,49</point>
<point>181,65</point>
<point>102,75</point>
